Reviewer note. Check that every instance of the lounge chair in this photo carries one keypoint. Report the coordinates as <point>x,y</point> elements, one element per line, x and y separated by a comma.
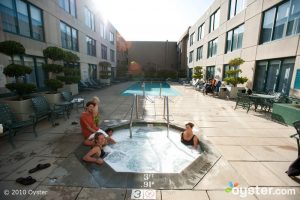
<point>78,102</point>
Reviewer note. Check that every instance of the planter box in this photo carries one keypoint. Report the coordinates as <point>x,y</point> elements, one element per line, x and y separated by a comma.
<point>53,98</point>
<point>70,88</point>
<point>286,113</point>
<point>23,106</point>
<point>105,81</point>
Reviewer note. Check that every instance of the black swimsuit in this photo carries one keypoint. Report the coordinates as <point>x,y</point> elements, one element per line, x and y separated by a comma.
<point>187,142</point>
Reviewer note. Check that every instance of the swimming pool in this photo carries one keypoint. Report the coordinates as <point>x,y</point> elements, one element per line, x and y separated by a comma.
<point>151,89</point>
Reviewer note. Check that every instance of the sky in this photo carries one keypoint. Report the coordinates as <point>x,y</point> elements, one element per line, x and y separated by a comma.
<point>152,20</point>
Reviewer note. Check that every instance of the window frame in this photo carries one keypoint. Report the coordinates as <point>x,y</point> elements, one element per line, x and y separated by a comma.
<point>212,25</point>
<point>199,54</point>
<point>102,52</point>
<point>232,37</point>
<point>91,20</point>
<point>93,51</point>
<point>72,39</point>
<point>210,43</point>
<point>200,34</point>
<point>70,12</point>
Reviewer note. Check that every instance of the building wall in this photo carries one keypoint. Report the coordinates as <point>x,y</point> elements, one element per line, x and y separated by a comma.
<point>251,51</point>
<point>52,15</point>
<point>182,51</point>
<point>158,55</point>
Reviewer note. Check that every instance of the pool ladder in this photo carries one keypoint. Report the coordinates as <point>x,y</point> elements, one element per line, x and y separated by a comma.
<point>135,105</point>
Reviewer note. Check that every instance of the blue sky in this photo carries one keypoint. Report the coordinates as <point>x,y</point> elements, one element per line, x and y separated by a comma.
<point>152,20</point>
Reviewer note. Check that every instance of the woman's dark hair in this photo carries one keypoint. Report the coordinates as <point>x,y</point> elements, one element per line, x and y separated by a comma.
<point>190,124</point>
<point>96,137</point>
<point>108,130</point>
<point>90,103</point>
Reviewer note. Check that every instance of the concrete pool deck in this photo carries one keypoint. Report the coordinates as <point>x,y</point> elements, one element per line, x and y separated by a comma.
<point>255,151</point>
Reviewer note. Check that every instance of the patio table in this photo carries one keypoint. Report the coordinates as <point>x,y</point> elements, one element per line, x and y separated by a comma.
<point>66,106</point>
<point>260,99</point>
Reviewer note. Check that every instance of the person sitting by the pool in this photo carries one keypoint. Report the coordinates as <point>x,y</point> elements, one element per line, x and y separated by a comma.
<point>187,137</point>
<point>96,112</point>
<point>107,134</point>
<point>96,154</point>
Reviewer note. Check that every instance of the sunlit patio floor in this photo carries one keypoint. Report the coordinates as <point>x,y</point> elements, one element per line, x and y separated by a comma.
<point>255,151</point>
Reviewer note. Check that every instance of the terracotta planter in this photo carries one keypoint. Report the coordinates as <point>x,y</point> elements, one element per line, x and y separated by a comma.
<point>70,88</point>
<point>18,107</point>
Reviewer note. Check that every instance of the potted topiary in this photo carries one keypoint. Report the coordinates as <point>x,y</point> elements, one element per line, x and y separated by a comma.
<point>71,75</point>
<point>233,77</point>
<point>55,54</point>
<point>105,75</point>
<point>21,103</point>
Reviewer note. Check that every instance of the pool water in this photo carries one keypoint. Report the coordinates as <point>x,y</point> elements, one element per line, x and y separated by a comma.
<point>149,151</point>
<point>151,89</point>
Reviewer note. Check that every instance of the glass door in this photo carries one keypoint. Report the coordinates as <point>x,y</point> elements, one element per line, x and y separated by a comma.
<point>286,76</point>
<point>260,76</point>
<point>272,76</point>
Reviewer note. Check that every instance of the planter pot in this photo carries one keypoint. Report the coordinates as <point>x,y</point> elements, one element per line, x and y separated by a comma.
<point>23,106</point>
<point>53,98</point>
<point>105,81</point>
<point>70,88</point>
<point>233,91</point>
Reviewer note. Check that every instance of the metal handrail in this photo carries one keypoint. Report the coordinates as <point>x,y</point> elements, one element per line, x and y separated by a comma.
<point>130,125</point>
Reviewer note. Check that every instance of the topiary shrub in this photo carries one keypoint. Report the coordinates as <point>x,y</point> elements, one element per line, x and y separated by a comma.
<point>197,72</point>
<point>54,84</point>
<point>11,48</point>
<point>233,74</point>
<point>53,53</point>
<point>53,68</point>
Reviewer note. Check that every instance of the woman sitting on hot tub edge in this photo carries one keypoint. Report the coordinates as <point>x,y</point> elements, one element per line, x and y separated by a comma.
<point>188,137</point>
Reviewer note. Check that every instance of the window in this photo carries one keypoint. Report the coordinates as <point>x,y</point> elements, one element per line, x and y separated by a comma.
<point>191,39</point>
<point>104,52</point>
<point>191,56</point>
<point>112,55</point>
<point>235,38</point>
<point>89,19</point>
<point>93,71</point>
<point>214,20</point>
<point>212,48</point>
<point>69,37</point>
<point>22,18</point>
<point>199,53</point>
<point>201,32</point>
<point>91,46</point>
<point>112,37</point>
<point>274,75</point>
<point>210,72</point>
<point>69,6</point>
<point>102,30</point>
<point>280,21</point>
<point>38,75</point>
<point>227,68</point>
<point>236,6</point>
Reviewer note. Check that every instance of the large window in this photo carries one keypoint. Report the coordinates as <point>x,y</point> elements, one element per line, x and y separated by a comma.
<point>89,19</point>
<point>93,71</point>
<point>201,32</point>
<point>280,21</point>
<point>235,38</point>
<point>22,18</point>
<point>69,6</point>
<point>192,39</point>
<point>274,75</point>
<point>236,6</point>
<point>112,55</point>
<point>38,75</point>
<point>102,30</point>
<point>111,37</point>
<point>104,52</point>
<point>227,68</point>
<point>210,72</point>
<point>69,37</point>
<point>91,46</point>
<point>191,56</point>
<point>199,53</point>
<point>214,20</point>
<point>212,48</point>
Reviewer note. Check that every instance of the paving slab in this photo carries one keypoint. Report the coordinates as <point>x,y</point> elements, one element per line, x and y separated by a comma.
<point>59,149</point>
<point>290,193</point>
<point>183,194</point>
<point>234,153</point>
<point>256,174</point>
<point>217,195</point>
<point>55,192</point>
<point>279,169</point>
<point>103,194</point>
<point>219,177</point>
<point>71,172</point>
<point>272,153</point>
<point>39,175</point>
<point>11,190</point>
